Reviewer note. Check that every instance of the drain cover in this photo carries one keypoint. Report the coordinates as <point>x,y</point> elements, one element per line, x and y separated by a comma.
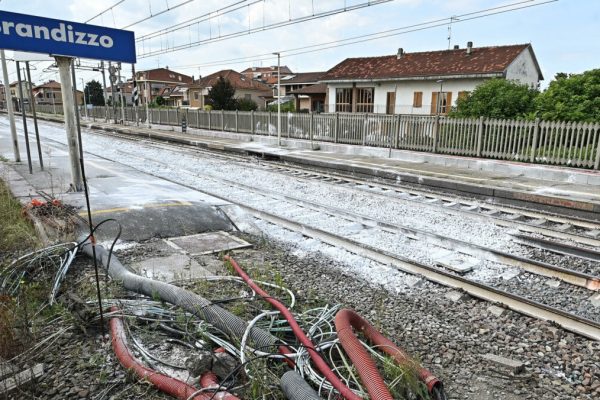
<point>207,243</point>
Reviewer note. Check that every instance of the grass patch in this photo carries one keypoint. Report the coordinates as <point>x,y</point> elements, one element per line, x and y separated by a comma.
<point>16,232</point>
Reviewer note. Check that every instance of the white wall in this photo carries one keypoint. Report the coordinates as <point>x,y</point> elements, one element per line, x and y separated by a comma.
<point>405,93</point>
<point>523,70</point>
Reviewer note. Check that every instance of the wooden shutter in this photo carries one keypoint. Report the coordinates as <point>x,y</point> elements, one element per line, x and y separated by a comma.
<point>418,99</point>
<point>434,102</point>
<point>391,102</point>
<point>448,102</point>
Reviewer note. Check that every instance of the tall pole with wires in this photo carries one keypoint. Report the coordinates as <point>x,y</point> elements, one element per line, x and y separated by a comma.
<point>278,98</point>
<point>9,108</point>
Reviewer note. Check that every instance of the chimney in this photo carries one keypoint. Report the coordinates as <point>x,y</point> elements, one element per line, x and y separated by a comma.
<point>469,47</point>
<point>456,47</point>
<point>400,53</point>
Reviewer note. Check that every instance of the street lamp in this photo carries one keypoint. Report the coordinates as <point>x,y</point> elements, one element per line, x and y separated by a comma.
<point>278,98</point>
<point>440,101</point>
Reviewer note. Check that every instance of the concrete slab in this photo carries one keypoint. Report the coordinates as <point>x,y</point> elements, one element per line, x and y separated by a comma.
<point>513,366</point>
<point>207,243</point>
<point>170,268</point>
<point>458,263</point>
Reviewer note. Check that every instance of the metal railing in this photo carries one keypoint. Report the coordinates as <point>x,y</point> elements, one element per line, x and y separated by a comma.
<point>547,142</point>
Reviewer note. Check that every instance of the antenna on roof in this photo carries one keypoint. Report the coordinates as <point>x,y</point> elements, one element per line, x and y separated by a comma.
<point>452,19</point>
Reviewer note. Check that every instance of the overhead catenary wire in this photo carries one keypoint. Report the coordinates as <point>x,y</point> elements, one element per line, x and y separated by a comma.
<point>372,36</point>
<point>173,48</point>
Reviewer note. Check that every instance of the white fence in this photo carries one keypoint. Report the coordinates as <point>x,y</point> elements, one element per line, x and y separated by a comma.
<point>548,142</point>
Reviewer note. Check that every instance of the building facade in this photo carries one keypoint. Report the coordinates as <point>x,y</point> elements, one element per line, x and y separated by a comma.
<point>152,82</point>
<point>424,82</point>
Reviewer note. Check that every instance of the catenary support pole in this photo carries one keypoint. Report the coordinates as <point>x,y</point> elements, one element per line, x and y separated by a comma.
<point>35,124</point>
<point>9,108</point>
<point>104,91</point>
<point>85,103</point>
<point>121,87</point>
<point>23,113</point>
<point>112,92</point>
<point>66,87</point>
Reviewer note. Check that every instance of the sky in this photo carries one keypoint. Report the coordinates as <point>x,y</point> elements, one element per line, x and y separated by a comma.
<point>564,34</point>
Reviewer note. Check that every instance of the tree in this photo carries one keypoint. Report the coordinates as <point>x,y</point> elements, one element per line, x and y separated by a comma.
<point>573,97</point>
<point>93,93</point>
<point>497,98</point>
<point>160,101</point>
<point>246,105</point>
<point>221,95</point>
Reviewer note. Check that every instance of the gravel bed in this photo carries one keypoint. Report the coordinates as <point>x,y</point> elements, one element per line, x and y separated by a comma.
<point>567,297</point>
<point>565,261</point>
<point>449,337</point>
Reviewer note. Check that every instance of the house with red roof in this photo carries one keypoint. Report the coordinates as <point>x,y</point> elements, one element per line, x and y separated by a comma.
<point>426,82</point>
<point>245,88</point>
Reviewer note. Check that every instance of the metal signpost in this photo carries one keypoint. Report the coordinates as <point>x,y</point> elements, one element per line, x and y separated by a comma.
<point>66,40</point>
<point>9,108</point>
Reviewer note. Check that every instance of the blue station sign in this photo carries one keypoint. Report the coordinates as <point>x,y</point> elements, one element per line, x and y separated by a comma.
<point>64,38</point>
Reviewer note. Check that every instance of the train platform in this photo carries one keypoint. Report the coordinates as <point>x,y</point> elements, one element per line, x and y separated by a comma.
<point>144,205</point>
<point>554,188</point>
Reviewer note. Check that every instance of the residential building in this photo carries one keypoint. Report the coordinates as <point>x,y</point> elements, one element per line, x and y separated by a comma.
<point>266,74</point>
<point>50,93</point>
<point>177,96</point>
<point>152,82</point>
<point>245,88</point>
<point>307,93</point>
<point>15,90</point>
<point>427,82</point>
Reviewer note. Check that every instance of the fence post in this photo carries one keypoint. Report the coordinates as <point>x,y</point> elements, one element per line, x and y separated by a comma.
<point>597,162</point>
<point>159,117</point>
<point>397,138</point>
<point>364,129</point>
<point>479,136</point>
<point>310,129</point>
<point>209,120</point>
<point>222,120</point>
<point>536,133</point>
<point>435,133</point>
<point>269,125</point>
<point>252,122</point>
<point>237,121</point>
<point>335,127</point>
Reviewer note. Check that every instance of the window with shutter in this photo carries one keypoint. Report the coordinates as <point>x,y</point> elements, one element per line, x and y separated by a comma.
<point>418,99</point>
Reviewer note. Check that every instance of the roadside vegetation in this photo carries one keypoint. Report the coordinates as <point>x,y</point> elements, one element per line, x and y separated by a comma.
<point>569,97</point>
<point>16,232</point>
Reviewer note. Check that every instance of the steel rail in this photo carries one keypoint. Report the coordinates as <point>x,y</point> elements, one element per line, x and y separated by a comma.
<point>561,248</point>
<point>426,198</point>
<point>566,320</point>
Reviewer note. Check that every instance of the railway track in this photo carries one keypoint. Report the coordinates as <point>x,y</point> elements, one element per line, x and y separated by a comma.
<point>264,206</point>
<point>268,207</point>
<point>576,230</point>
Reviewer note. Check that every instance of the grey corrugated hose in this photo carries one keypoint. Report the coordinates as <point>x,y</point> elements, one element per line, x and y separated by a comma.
<point>294,387</point>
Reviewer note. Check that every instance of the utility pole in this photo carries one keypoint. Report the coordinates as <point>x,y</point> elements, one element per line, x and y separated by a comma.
<point>121,96</point>
<point>24,115</point>
<point>113,78</point>
<point>35,124</point>
<point>147,89</point>
<point>104,92</point>
<point>66,87</point>
<point>84,101</point>
<point>9,108</point>
<point>278,98</point>
<point>134,95</point>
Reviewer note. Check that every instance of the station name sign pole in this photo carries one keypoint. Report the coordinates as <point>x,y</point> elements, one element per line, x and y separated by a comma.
<point>66,40</point>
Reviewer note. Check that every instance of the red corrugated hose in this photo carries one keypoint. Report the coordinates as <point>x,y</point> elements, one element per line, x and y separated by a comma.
<point>209,380</point>
<point>164,383</point>
<point>345,321</point>
<point>306,342</point>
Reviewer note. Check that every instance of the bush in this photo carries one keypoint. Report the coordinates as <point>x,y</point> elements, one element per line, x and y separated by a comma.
<point>574,97</point>
<point>285,107</point>
<point>497,98</point>
<point>246,105</point>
